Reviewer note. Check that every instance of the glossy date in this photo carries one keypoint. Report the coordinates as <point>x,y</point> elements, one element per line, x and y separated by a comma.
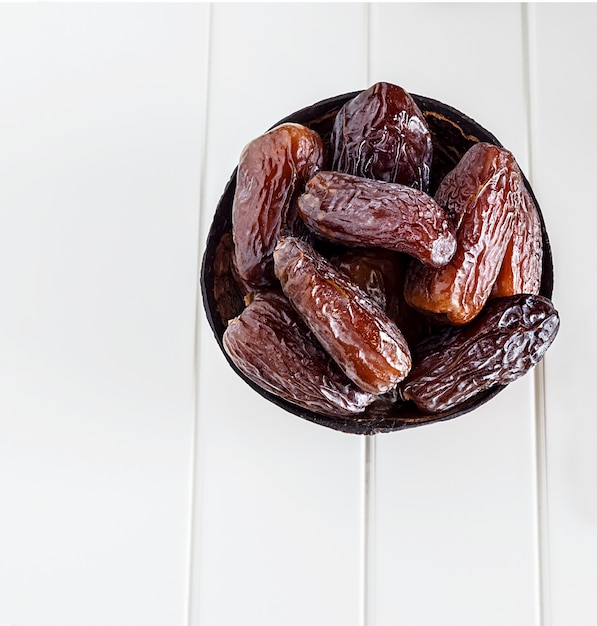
<point>271,345</point>
<point>483,194</point>
<point>382,134</point>
<point>356,211</point>
<point>522,265</point>
<point>376,271</point>
<point>351,326</point>
<point>380,273</point>
<point>509,337</point>
<point>271,173</point>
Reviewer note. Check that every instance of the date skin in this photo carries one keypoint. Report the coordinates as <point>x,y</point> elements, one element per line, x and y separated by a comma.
<point>355,211</point>
<point>483,194</point>
<point>382,134</point>
<point>461,187</point>
<point>271,173</point>
<point>509,337</point>
<point>351,326</point>
<point>376,271</point>
<point>271,345</point>
<point>522,265</point>
<point>380,274</point>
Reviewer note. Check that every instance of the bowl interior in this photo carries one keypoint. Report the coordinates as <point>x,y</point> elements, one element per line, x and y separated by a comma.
<point>453,133</point>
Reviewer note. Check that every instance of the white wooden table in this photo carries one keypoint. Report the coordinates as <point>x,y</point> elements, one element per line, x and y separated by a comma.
<point>141,482</point>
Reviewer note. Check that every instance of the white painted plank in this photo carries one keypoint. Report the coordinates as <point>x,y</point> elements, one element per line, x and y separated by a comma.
<point>455,502</point>
<point>279,498</point>
<point>100,120</point>
<point>564,162</point>
<point>468,55</point>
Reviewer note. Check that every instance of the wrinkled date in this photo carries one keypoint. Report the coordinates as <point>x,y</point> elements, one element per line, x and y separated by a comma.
<point>271,345</point>
<point>376,271</point>
<point>351,326</point>
<point>483,194</point>
<point>461,187</point>
<point>271,172</point>
<point>355,211</point>
<point>509,337</point>
<point>382,134</point>
<point>380,273</point>
<point>522,265</point>
<point>521,268</point>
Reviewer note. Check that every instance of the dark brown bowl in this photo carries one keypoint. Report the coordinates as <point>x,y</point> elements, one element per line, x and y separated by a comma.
<point>453,133</point>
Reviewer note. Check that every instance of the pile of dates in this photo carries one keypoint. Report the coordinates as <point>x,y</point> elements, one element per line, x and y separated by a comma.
<point>363,293</point>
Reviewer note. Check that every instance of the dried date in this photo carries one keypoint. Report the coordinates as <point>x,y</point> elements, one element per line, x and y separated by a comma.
<point>355,211</point>
<point>522,265</point>
<point>382,134</point>
<point>271,173</point>
<point>271,345</point>
<point>509,337</point>
<point>351,326</point>
<point>461,187</point>
<point>376,271</point>
<point>485,209</point>
<point>380,273</point>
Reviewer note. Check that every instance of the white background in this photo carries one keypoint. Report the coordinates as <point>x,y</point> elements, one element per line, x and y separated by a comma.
<point>141,482</point>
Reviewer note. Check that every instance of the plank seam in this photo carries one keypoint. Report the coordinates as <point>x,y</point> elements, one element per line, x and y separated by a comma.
<point>195,482</point>
<point>369,452</point>
<point>368,543</point>
<point>539,406</point>
<point>368,456</point>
